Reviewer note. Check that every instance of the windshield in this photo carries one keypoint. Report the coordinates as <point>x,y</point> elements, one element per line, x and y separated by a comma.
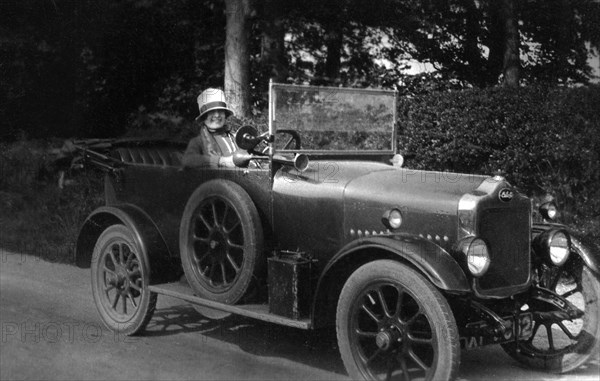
<point>332,119</point>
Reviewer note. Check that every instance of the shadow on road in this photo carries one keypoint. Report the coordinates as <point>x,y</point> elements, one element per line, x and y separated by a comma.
<point>314,348</point>
<point>318,349</point>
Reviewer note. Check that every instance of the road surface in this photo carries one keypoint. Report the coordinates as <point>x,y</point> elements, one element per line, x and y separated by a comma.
<point>51,331</point>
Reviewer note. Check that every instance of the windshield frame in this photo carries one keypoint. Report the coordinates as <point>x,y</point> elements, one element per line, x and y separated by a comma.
<point>380,152</point>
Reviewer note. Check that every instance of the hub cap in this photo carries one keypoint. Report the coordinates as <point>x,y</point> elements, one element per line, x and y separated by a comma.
<point>218,242</point>
<point>391,335</point>
<point>121,280</point>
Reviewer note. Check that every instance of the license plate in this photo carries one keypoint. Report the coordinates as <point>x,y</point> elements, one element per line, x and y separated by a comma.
<point>522,328</point>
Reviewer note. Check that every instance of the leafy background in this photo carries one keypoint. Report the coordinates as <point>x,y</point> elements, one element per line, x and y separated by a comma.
<point>544,139</point>
<point>108,68</point>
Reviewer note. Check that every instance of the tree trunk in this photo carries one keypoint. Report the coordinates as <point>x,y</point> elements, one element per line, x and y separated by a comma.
<point>272,44</point>
<point>333,41</point>
<point>503,42</point>
<point>237,56</point>
<point>471,45</point>
<point>564,40</point>
<point>495,44</point>
<point>511,64</point>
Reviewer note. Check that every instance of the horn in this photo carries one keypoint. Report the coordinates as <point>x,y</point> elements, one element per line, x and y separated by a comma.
<point>299,162</point>
<point>247,137</point>
<point>241,159</point>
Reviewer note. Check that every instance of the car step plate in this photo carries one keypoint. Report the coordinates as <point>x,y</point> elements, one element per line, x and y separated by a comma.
<point>255,311</point>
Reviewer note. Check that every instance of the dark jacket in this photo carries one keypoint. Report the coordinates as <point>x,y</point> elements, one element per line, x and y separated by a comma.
<point>206,148</point>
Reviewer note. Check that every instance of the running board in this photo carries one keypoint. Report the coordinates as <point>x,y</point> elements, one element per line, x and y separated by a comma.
<point>254,311</point>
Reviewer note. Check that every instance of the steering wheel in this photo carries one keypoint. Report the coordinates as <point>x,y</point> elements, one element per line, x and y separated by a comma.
<point>294,138</point>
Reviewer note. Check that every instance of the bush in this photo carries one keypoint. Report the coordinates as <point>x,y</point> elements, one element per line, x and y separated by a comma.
<point>37,217</point>
<point>543,139</point>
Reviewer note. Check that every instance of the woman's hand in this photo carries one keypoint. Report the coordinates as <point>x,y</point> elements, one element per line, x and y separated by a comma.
<point>226,161</point>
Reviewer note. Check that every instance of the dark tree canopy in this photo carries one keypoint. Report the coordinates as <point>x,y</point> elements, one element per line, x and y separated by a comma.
<point>96,67</point>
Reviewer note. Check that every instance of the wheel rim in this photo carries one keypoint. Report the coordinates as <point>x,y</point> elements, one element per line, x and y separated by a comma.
<point>553,336</point>
<point>120,280</point>
<point>391,336</point>
<point>218,244</point>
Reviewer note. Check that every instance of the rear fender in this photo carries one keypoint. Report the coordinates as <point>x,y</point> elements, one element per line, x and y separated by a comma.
<point>145,233</point>
<point>433,262</point>
<point>587,250</point>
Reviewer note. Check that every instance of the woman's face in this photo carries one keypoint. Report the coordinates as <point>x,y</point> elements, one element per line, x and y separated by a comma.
<point>215,119</point>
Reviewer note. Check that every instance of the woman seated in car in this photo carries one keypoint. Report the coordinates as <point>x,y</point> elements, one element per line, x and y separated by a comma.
<point>214,146</point>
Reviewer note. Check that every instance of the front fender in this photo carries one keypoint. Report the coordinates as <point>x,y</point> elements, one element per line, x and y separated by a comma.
<point>587,250</point>
<point>432,261</point>
<point>424,256</point>
<point>144,231</point>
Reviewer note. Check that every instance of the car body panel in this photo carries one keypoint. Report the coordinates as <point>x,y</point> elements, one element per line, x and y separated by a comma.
<point>145,232</point>
<point>163,192</point>
<point>428,202</point>
<point>318,211</point>
<point>431,260</point>
<point>347,196</point>
<point>308,207</point>
<point>334,209</point>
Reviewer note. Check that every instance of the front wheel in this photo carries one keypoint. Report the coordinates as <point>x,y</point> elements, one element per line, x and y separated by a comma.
<point>392,324</point>
<point>221,242</point>
<point>560,345</point>
<point>120,276</point>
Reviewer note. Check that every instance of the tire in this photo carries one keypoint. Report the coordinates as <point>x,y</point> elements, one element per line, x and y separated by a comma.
<point>211,313</point>
<point>394,324</point>
<point>120,278</point>
<point>206,312</point>
<point>221,240</point>
<point>563,345</point>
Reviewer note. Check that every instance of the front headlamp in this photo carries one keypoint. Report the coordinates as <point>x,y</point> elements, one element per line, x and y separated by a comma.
<point>554,246</point>
<point>559,248</point>
<point>477,255</point>
<point>549,211</point>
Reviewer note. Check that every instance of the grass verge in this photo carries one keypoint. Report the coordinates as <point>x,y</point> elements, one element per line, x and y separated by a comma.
<point>36,216</point>
<point>40,219</point>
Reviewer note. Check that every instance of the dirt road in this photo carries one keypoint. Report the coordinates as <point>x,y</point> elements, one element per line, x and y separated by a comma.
<point>50,330</point>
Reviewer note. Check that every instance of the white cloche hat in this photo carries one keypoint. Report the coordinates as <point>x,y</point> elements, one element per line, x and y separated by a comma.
<point>212,99</point>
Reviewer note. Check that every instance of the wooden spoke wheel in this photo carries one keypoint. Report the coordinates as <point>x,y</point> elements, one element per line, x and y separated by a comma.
<point>120,276</point>
<point>221,242</point>
<point>392,324</point>
<point>560,344</point>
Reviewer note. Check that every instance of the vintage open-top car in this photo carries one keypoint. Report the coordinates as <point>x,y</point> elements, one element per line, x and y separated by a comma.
<point>320,225</point>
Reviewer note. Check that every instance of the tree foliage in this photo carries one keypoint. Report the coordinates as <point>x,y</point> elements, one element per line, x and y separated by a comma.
<point>96,67</point>
<point>543,138</point>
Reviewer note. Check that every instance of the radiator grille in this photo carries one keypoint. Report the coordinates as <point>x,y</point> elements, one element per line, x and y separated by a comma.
<point>507,232</point>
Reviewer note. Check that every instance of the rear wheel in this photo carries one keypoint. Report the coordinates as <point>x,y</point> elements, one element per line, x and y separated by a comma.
<point>559,344</point>
<point>221,242</point>
<point>120,276</point>
<point>392,324</point>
